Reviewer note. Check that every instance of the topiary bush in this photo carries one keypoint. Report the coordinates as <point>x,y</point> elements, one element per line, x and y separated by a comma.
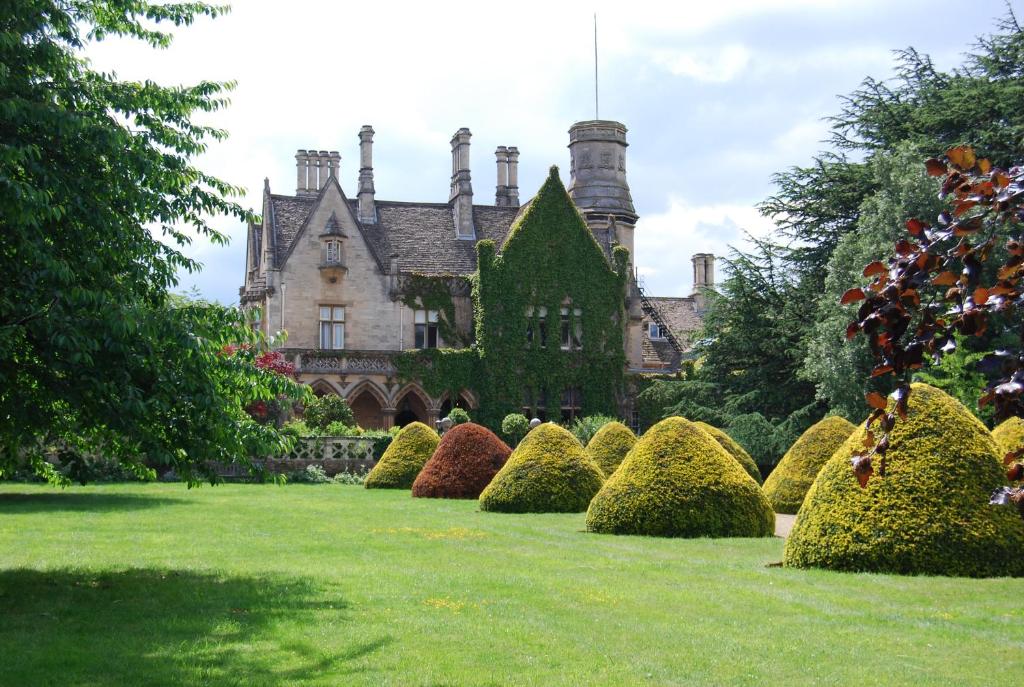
<point>458,416</point>
<point>514,427</point>
<point>610,445</point>
<point>404,458</point>
<point>549,472</point>
<point>463,464</point>
<point>929,514</point>
<point>1009,435</point>
<point>733,449</point>
<point>679,482</point>
<point>795,473</point>
<point>323,410</point>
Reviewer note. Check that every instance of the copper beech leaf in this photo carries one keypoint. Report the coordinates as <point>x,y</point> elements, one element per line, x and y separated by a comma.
<point>946,278</point>
<point>935,168</point>
<point>961,156</point>
<point>984,165</point>
<point>862,469</point>
<point>877,267</point>
<point>852,296</point>
<point>916,226</point>
<point>876,400</point>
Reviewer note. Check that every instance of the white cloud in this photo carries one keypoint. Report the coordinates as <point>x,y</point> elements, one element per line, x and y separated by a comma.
<point>664,242</point>
<point>718,66</point>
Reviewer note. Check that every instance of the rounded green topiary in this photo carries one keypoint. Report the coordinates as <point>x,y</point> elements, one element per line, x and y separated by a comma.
<point>930,514</point>
<point>733,449</point>
<point>677,481</point>
<point>549,472</point>
<point>404,458</point>
<point>795,473</point>
<point>609,446</point>
<point>1009,435</point>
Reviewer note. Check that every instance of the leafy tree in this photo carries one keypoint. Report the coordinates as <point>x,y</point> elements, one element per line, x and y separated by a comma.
<point>327,409</point>
<point>840,369</point>
<point>458,416</point>
<point>94,355</point>
<point>515,426</point>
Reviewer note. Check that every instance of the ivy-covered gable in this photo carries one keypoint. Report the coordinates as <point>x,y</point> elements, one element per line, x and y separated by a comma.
<point>550,313</point>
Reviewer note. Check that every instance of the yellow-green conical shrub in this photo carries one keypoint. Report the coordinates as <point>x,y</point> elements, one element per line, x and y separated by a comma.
<point>677,481</point>
<point>549,472</point>
<point>610,445</point>
<point>1009,435</point>
<point>733,449</point>
<point>930,514</point>
<point>403,459</point>
<point>795,473</point>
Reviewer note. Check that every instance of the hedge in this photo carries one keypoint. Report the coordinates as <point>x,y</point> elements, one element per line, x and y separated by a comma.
<point>930,514</point>
<point>609,446</point>
<point>463,464</point>
<point>404,458</point>
<point>677,481</point>
<point>549,472</point>
<point>793,476</point>
<point>734,450</point>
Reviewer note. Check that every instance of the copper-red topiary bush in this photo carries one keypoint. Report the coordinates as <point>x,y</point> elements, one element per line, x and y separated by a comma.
<point>463,464</point>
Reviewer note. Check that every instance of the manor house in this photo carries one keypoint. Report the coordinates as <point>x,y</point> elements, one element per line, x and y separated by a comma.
<point>359,282</point>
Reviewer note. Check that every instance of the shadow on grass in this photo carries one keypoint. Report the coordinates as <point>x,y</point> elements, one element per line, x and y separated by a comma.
<point>169,627</point>
<point>40,502</point>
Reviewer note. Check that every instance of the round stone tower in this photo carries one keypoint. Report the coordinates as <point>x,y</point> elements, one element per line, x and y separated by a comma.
<point>597,151</point>
<point>598,167</point>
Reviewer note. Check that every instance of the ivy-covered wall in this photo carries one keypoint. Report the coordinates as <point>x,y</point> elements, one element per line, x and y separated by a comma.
<point>550,260</point>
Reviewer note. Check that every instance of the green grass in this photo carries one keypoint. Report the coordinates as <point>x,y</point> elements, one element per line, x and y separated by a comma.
<point>248,585</point>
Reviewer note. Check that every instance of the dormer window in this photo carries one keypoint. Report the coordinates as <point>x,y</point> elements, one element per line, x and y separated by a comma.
<point>333,254</point>
<point>655,332</point>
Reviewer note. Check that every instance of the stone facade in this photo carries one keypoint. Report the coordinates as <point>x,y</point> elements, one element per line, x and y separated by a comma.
<point>319,253</point>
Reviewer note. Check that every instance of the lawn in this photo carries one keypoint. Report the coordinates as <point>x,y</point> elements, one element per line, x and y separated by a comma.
<point>301,584</point>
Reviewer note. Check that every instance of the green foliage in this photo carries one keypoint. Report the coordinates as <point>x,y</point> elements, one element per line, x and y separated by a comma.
<point>349,478</point>
<point>434,292</point>
<point>835,366</point>
<point>441,370</point>
<point>95,357</point>
<point>585,428</point>
<point>549,472</point>
<point>677,481</point>
<point>734,450</point>
<point>550,260</point>
<point>458,416</point>
<point>760,438</point>
<point>958,376</point>
<point>1009,435</point>
<point>929,515</point>
<point>609,445</point>
<point>404,458</point>
<point>311,474</point>
<point>327,409</point>
<point>775,338</point>
<point>515,426</point>
<point>793,476</point>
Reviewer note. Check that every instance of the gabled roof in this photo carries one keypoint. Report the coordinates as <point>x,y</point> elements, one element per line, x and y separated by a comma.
<point>422,235</point>
<point>682,318</point>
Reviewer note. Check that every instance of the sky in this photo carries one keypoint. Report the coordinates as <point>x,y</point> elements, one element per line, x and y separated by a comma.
<point>716,96</point>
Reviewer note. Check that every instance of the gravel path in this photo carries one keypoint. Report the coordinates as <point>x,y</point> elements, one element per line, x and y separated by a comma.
<point>783,524</point>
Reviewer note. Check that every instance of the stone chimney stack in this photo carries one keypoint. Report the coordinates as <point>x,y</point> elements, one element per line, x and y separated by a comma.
<point>513,176</point>
<point>461,196</point>
<point>302,172</point>
<point>334,164</point>
<point>501,191</point>
<point>367,209</point>
<point>703,272</point>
